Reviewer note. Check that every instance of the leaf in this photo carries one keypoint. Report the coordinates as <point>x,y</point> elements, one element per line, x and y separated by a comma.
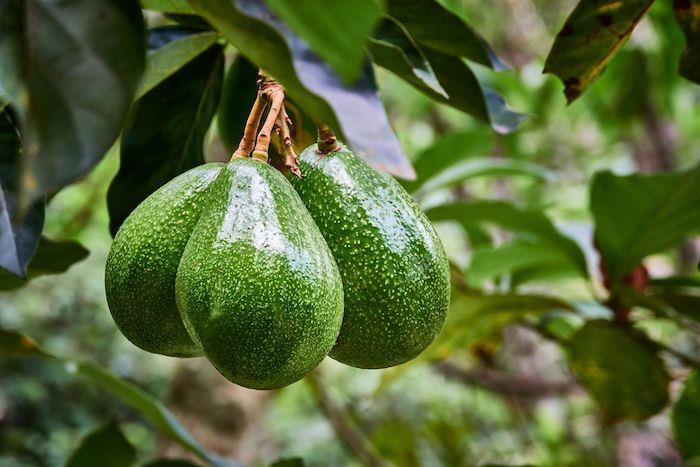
<point>16,344</point>
<point>394,49</point>
<point>168,6</point>
<point>591,36</point>
<point>181,47</point>
<point>317,23</point>
<point>105,446</point>
<point>688,18</point>
<point>356,111</point>
<point>623,375</point>
<point>19,236</point>
<point>433,25</point>
<point>71,73</point>
<point>170,463</point>
<point>527,222</point>
<point>51,257</point>
<point>289,462</point>
<point>641,214</point>
<point>484,166</point>
<point>237,96</point>
<point>685,417</point>
<point>686,304</point>
<point>164,136</point>
<point>447,151</point>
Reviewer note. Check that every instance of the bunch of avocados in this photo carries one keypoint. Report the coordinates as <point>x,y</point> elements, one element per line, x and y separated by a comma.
<point>266,275</point>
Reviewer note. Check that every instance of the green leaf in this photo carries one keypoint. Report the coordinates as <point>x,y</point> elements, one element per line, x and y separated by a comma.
<point>106,446</point>
<point>317,21</point>
<point>16,344</point>
<point>688,17</point>
<point>70,81</point>
<point>641,214</point>
<point>435,26</point>
<point>624,376</point>
<point>484,167</point>
<point>171,57</point>
<point>686,304</point>
<point>237,96</point>
<point>51,257</point>
<point>447,151</point>
<point>394,49</point>
<point>354,110</point>
<point>591,36</point>
<point>527,222</point>
<point>164,136</point>
<point>685,417</point>
<point>170,463</point>
<point>168,6</point>
<point>289,462</point>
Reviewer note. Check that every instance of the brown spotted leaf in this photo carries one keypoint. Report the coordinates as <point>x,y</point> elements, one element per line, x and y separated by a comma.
<point>688,17</point>
<point>591,36</point>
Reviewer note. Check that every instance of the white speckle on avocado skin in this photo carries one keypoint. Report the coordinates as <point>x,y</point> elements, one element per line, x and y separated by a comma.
<point>257,285</point>
<point>395,272</point>
<point>143,261</point>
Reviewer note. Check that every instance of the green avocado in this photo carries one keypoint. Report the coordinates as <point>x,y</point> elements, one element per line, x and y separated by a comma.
<point>143,261</point>
<point>257,286</point>
<point>394,269</point>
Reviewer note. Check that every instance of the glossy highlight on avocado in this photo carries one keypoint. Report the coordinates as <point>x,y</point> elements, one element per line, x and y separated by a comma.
<point>257,286</point>
<point>143,262</point>
<point>394,269</point>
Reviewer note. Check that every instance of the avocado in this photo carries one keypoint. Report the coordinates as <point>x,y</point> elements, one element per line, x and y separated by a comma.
<point>394,269</point>
<point>257,286</point>
<point>143,261</point>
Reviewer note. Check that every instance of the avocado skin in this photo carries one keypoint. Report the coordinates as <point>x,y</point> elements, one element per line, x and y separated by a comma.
<point>143,261</point>
<point>394,268</point>
<point>257,286</point>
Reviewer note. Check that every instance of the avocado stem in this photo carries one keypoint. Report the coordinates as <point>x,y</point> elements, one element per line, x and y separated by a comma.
<point>283,125</point>
<point>274,93</point>
<point>251,127</point>
<point>327,142</point>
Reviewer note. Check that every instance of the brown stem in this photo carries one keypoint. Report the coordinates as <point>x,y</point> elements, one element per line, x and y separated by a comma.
<point>274,93</point>
<point>251,127</point>
<point>327,141</point>
<point>290,157</point>
<point>354,440</point>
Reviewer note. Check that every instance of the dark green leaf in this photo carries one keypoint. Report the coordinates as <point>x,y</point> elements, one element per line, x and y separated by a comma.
<point>170,463</point>
<point>686,304</point>
<point>641,214</point>
<point>181,47</point>
<point>19,235</point>
<point>265,41</point>
<point>16,344</point>
<point>591,36</point>
<point>71,71</point>
<point>105,446</point>
<point>316,22</point>
<point>168,6</point>
<point>433,25</point>
<point>507,216</point>
<point>165,133</point>
<point>623,375</point>
<point>685,418</point>
<point>688,17</point>
<point>394,49</point>
<point>675,282</point>
<point>51,257</point>
<point>237,96</point>
<point>289,462</point>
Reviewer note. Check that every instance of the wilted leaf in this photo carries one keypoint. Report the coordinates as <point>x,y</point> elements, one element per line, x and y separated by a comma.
<point>310,82</point>
<point>164,136</point>
<point>316,22</point>
<point>685,418</point>
<point>105,446</point>
<point>71,73</point>
<point>237,97</point>
<point>623,375</point>
<point>432,24</point>
<point>591,36</point>
<point>688,17</point>
<point>641,214</point>
<point>174,48</point>
<point>527,222</point>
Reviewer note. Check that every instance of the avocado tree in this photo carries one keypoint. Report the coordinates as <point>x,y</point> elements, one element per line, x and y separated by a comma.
<point>204,102</point>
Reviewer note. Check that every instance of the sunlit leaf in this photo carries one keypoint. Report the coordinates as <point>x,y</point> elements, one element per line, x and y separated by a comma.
<point>641,214</point>
<point>168,6</point>
<point>105,446</point>
<point>590,38</point>
<point>624,376</point>
<point>316,22</point>
<point>685,418</point>
<point>688,17</point>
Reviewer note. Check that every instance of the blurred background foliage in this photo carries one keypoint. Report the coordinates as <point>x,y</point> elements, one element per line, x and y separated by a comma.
<point>492,389</point>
